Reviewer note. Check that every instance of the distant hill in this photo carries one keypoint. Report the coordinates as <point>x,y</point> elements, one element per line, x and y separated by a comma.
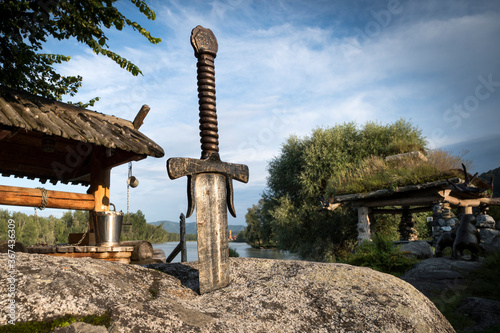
<point>496,183</point>
<point>174,227</point>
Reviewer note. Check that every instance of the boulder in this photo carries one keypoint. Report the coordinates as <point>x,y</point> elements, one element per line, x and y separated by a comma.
<point>487,235</point>
<point>417,249</point>
<point>485,221</point>
<point>493,245</point>
<point>441,279</point>
<point>484,312</point>
<point>264,296</point>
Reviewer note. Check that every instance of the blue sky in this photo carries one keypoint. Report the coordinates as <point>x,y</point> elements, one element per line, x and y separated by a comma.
<point>288,67</point>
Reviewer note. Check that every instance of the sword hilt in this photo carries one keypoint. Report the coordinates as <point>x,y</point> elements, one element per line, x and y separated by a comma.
<point>205,49</point>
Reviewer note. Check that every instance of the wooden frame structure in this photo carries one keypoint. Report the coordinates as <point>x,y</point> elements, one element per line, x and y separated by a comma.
<point>411,199</point>
<point>57,142</point>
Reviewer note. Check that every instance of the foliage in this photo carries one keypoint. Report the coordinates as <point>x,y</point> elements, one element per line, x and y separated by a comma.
<point>387,225</point>
<point>495,173</point>
<point>289,213</point>
<point>33,229</point>
<point>233,253</point>
<point>241,237</point>
<point>258,232</point>
<point>23,65</point>
<point>49,326</point>
<point>140,229</point>
<point>495,212</point>
<point>488,275</point>
<point>382,255</point>
<point>482,283</point>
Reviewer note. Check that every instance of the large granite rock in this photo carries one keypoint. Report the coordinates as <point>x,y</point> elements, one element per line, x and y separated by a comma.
<point>264,296</point>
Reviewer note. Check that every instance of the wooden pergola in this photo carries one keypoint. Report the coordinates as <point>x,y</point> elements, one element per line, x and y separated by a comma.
<point>413,199</point>
<point>56,142</point>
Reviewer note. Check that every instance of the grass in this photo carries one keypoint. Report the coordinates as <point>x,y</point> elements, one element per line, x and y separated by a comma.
<point>48,326</point>
<point>374,173</point>
<point>382,255</point>
<point>482,283</point>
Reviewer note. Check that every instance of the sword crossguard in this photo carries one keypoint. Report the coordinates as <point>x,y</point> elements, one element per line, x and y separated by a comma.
<point>190,167</point>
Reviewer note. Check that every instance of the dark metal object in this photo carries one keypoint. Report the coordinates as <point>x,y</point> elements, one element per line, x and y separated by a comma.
<point>205,49</point>
<point>210,180</point>
<point>181,247</point>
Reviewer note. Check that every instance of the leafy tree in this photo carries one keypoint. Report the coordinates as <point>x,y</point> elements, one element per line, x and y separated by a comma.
<point>33,229</point>
<point>299,177</point>
<point>259,232</point>
<point>30,23</point>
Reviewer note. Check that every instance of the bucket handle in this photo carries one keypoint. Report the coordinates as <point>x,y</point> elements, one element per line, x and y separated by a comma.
<point>114,208</point>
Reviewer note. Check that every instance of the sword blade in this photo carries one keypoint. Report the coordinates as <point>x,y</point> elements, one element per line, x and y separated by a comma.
<point>212,230</point>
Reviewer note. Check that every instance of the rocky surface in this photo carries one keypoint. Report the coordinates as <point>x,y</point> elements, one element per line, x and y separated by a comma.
<point>418,249</point>
<point>445,281</point>
<point>441,278</point>
<point>484,312</point>
<point>264,296</point>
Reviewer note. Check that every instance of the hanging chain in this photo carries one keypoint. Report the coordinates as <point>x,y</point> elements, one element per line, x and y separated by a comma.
<point>128,190</point>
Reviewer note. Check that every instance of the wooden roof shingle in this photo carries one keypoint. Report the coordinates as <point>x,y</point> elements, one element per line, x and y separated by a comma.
<point>33,113</point>
<point>26,120</point>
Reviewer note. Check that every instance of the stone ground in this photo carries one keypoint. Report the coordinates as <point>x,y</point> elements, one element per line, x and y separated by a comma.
<point>443,280</point>
<point>264,296</point>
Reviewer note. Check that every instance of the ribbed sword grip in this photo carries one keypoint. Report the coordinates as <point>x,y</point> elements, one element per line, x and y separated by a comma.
<point>206,100</point>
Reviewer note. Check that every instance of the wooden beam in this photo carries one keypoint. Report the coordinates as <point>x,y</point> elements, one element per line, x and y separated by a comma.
<point>472,202</point>
<point>400,211</point>
<point>432,186</point>
<point>413,201</point>
<point>139,118</point>
<point>31,197</point>
<point>334,206</point>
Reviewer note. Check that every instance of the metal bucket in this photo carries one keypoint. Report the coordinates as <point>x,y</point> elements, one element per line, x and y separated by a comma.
<point>108,227</point>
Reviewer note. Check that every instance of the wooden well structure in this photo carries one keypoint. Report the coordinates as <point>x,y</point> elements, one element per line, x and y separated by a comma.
<point>51,141</point>
<point>406,200</point>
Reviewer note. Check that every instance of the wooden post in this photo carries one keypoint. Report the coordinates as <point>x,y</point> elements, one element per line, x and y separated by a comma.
<point>363,224</point>
<point>465,210</point>
<point>99,185</point>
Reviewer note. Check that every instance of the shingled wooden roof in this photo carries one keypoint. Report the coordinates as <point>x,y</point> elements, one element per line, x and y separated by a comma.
<point>26,119</point>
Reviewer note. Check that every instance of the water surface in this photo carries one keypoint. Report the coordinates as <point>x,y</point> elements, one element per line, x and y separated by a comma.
<point>243,249</point>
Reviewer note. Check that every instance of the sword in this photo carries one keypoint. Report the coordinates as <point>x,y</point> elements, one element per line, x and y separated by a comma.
<point>210,181</point>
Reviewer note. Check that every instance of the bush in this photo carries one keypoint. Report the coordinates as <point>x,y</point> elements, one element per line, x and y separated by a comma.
<point>382,255</point>
<point>233,253</point>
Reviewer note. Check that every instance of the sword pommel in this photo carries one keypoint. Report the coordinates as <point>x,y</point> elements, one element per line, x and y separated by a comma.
<point>203,41</point>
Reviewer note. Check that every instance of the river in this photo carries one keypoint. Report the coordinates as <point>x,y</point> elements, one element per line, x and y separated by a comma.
<point>243,249</point>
